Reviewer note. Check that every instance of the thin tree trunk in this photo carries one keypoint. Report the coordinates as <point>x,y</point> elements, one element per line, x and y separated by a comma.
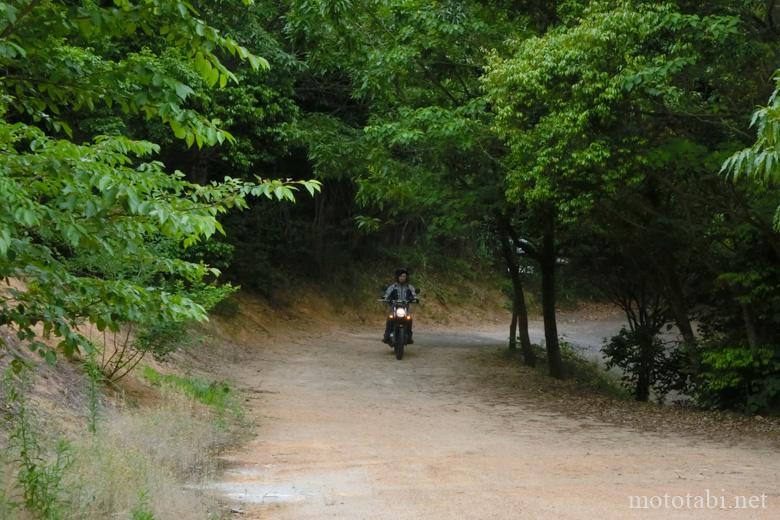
<point>199,173</point>
<point>513,330</point>
<point>319,230</point>
<point>772,12</point>
<point>681,318</point>
<point>511,267</point>
<point>529,358</point>
<point>680,310</point>
<point>519,309</point>
<point>548,298</point>
<point>645,367</point>
<point>750,327</point>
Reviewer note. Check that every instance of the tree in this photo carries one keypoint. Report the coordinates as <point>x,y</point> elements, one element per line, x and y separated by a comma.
<point>419,145</point>
<point>576,116</point>
<point>79,219</point>
<point>761,161</point>
<point>519,324</point>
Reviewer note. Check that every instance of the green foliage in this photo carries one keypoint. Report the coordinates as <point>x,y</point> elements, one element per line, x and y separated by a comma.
<point>80,220</point>
<point>216,253</point>
<point>368,224</point>
<point>423,165</point>
<point>662,365</point>
<point>216,394</point>
<point>40,471</point>
<point>761,162</point>
<point>738,377</point>
<point>95,380</point>
<point>122,350</point>
<point>142,511</point>
<point>622,150</point>
<point>59,57</point>
<point>570,109</point>
<point>134,465</point>
<point>444,116</point>
<point>160,337</point>
<point>424,121</point>
<point>72,205</point>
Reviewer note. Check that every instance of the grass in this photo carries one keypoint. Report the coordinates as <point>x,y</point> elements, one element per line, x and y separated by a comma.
<point>215,394</point>
<point>590,374</point>
<point>139,459</point>
<point>582,372</point>
<point>138,464</point>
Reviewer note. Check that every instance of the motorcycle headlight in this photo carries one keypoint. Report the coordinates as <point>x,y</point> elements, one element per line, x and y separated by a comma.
<point>400,312</point>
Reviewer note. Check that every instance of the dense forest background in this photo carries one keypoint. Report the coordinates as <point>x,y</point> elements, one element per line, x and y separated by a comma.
<point>630,146</point>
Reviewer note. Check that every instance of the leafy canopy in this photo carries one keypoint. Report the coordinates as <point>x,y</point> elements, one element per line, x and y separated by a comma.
<point>79,221</point>
<point>575,114</point>
<point>761,161</point>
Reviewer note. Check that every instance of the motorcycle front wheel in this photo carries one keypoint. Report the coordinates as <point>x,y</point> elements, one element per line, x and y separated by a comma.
<point>400,342</point>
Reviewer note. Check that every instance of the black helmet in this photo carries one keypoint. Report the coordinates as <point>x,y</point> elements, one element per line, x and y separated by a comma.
<point>400,271</point>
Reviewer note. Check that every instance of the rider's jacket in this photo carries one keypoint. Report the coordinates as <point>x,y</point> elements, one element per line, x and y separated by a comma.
<point>397,291</point>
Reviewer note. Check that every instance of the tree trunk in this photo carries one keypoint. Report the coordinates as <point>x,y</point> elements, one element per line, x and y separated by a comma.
<point>513,330</point>
<point>772,12</point>
<point>529,358</point>
<point>319,230</point>
<point>199,174</point>
<point>519,309</point>
<point>642,392</point>
<point>548,298</point>
<point>750,327</point>
<point>680,310</point>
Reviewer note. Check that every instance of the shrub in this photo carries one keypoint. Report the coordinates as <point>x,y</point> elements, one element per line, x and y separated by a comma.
<point>740,378</point>
<point>124,349</point>
<point>646,364</point>
<point>39,468</point>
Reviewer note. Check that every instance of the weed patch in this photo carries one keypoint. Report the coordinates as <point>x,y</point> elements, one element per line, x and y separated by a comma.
<point>215,394</point>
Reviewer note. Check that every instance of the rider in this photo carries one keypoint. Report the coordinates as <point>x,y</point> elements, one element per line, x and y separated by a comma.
<point>400,290</point>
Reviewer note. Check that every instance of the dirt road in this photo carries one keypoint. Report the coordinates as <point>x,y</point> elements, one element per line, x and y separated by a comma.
<point>451,432</point>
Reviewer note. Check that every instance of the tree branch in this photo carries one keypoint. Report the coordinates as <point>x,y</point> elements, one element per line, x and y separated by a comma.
<point>11,26</point>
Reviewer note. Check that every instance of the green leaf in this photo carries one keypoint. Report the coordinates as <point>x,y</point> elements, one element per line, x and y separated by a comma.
<point>50,356</point>
<point>182,90</point>
<point>257,62</point>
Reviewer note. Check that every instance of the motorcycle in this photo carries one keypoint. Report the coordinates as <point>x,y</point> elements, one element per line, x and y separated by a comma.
<point>401,316</point>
